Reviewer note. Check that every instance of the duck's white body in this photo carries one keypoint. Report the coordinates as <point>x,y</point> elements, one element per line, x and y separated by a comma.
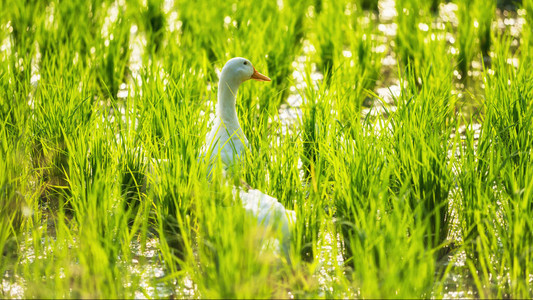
<point>226,138</point>
<point>227,141</point>
<point>270,213</point>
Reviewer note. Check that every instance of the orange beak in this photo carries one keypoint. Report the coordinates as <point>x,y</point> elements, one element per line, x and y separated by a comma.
<point>259,77</point>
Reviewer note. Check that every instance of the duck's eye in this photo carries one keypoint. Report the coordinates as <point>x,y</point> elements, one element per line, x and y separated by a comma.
<point>245,62</point>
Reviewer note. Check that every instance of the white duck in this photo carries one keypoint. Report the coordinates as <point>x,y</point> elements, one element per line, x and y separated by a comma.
<point>226,137</point>
<point>227,141</point>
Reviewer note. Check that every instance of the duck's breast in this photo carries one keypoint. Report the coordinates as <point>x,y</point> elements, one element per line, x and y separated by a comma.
<point>229,145</point>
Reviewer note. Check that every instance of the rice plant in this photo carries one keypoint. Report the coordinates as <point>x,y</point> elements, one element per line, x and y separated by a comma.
<point>405,181</point>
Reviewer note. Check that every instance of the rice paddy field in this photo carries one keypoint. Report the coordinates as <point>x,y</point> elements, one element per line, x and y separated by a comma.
<point>400,131</point>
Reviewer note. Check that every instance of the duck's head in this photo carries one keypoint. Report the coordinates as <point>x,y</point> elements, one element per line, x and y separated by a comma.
<point>240,69</point>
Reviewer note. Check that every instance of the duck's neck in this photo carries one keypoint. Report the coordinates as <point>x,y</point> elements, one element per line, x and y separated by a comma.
<point>225,109</point>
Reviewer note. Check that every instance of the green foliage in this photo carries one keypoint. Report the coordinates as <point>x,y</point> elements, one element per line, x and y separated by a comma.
<point>105,105</point>
<point>465,36</point>
<point>485,16</point>
<point>409,39</point>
